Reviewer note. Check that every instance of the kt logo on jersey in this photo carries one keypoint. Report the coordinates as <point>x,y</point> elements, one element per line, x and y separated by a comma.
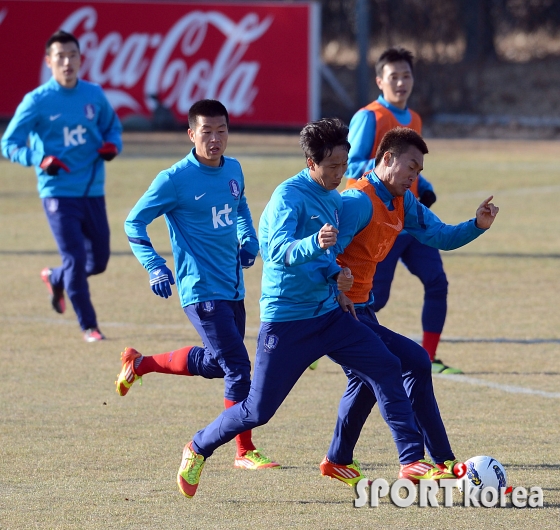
<point>74,137</point>
<point>221,217</point>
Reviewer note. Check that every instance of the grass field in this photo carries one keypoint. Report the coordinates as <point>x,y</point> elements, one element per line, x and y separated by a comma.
<point>73,454</point>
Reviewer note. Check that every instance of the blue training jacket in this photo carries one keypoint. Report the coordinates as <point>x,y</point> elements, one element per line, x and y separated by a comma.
<point>297,281</point>
<point>71,124</point>
<point>208,221</point>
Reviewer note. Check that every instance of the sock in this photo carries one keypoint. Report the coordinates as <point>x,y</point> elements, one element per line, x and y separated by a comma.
<point>173,362</point>
<point>243,440</point>
<point>430,343</point>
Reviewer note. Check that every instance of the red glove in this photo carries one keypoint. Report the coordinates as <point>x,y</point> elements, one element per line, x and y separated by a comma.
<point>108,151</point>
<point>52,165</point>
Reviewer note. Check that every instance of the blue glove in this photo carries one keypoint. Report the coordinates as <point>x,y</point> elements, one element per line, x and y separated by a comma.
<point>161,280</point>
<point>247,259</point>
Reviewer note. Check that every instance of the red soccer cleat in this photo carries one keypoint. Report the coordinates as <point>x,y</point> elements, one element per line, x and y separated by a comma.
<point>93,335</point>
<point>349,474</point>
<point>127,376</point>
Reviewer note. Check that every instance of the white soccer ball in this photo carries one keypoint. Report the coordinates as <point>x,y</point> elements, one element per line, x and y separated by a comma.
<point>484,472</point>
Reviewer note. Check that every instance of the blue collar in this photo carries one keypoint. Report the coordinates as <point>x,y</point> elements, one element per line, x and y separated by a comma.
<point>399,113</point>
<point>315,186</point>
<point>203,167</point>
<point>382,192</point>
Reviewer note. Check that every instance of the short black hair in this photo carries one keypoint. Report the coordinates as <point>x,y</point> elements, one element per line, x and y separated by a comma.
<point>63,37</point>
<point>319,138</point>
<point>393,55</point>
<point>397,141</point>
<point>210,108</point>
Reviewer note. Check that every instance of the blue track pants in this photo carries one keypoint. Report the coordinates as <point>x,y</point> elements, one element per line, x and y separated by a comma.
<point>286,349</point>
<point>358,400</point>
<point>221,326</point>
<point>81,231</point>
<point>425,263</point>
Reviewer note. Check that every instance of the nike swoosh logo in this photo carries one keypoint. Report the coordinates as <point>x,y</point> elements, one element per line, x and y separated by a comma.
<point>54,117</point>
<point>196,197</point>
<point>398,227</point>
<point>314,217</point>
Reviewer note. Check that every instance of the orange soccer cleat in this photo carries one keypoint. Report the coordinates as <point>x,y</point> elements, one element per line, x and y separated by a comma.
<point>128,376</point>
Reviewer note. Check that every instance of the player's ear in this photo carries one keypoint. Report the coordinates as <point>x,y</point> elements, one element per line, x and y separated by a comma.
<point>190,132</point>
<point>387,155</point>
<point>379,82</point>
<point>310,163</point>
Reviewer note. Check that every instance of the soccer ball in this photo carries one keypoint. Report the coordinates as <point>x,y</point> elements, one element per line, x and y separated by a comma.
<point>484,472</point>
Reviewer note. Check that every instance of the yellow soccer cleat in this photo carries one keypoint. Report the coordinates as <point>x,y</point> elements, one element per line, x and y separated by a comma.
<point>313,365</point>
<point>189,472</point>
<point>255,460</point>
<point>439,367</point>
<point>423,470</point>
<point>448,467</point>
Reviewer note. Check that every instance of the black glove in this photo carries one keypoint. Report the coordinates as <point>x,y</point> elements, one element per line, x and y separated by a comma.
<point>428,198</point>
<point>108,151</point>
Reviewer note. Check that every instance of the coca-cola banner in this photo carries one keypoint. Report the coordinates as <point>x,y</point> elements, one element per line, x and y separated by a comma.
<point>260,59</point>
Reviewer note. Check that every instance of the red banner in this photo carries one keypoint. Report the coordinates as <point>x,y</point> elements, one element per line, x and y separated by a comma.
<point>259,59</point>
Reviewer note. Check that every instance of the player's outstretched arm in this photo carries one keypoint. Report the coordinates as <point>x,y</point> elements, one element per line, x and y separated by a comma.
<point>486,213</point>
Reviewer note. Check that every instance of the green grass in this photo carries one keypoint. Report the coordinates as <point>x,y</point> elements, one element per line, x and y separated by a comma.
<point>73,454</point>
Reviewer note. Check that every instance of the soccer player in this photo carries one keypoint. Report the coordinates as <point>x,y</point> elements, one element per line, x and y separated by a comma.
<point>67,129</point>
<point>304,315</point>
<point>202,198</point>
<point>376,208</point>
<point>367,128</point>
